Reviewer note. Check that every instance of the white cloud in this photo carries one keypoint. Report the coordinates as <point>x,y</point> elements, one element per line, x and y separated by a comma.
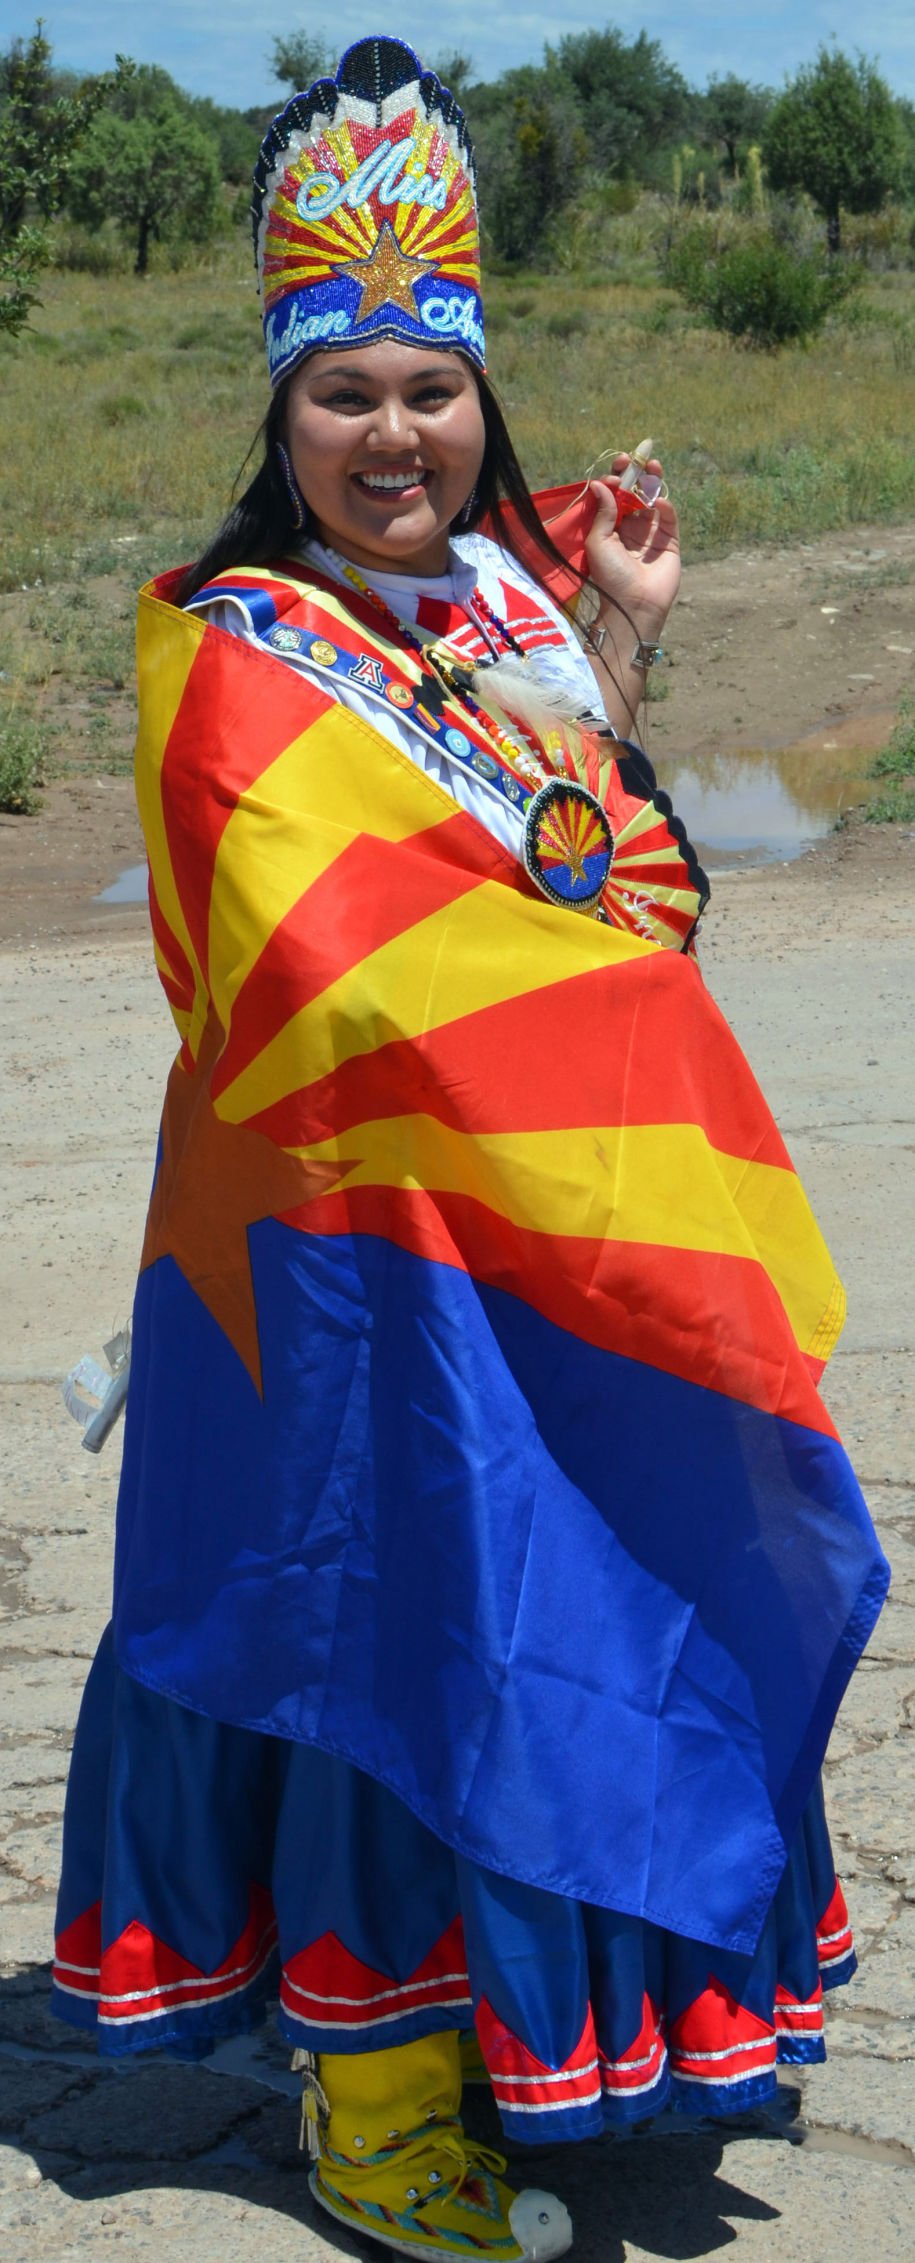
<point>223,49</point>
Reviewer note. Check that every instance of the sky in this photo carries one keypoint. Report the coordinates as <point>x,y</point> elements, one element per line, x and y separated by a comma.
<point>222,47</point>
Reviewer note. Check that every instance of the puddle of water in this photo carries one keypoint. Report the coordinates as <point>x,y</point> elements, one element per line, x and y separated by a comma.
<point>252,2057</point>
<point>13,1563</point>
<point>767,805</point>
<point>130,887</point>
<point>883,2152</point>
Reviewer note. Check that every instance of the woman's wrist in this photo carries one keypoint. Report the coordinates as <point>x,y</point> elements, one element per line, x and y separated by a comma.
<point>644,624</point>
<point>623,648</point>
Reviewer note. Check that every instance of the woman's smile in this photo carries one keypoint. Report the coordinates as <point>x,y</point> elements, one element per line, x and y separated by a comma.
<point>391,482</point>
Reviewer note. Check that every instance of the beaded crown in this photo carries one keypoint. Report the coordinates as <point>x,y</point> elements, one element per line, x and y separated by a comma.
<point>365,213</point>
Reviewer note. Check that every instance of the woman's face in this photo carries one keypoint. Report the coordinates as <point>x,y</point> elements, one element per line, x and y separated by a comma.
<point>386,444</point>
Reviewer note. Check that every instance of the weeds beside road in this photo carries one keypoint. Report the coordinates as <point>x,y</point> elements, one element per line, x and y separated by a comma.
<point>894,802</point>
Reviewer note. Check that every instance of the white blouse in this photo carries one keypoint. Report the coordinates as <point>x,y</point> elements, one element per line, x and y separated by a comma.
<point>473,562</point>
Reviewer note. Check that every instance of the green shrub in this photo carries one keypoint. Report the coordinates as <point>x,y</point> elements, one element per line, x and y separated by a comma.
<point>120,408</point>
<point>895,806</point>
<point>896,763</point>
<point>755,289</point>
<point>658,320</point>
<point>897,758</point>
<point>614,197</point>
<point>23,751</point>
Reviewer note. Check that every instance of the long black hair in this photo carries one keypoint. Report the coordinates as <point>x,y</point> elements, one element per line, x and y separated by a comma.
<point>260,526</point>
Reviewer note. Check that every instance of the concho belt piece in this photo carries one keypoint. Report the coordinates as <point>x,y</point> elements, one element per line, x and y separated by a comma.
<point>568,844</point>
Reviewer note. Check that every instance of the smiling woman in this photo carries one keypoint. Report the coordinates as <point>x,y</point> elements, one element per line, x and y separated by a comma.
<point>488,1572</point>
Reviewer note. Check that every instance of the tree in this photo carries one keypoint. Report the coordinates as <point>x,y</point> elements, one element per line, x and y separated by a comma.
<point>236,135</point>
<point>733,113</point>
<point>628,96</point>
<point>836,133</point>
<point>42,123</point>
<point>299,59</point>
<point>529,190</point>
<point>906,114</point>
<point>147,165</point>
<point>528,148</point>
<point>455,69</point>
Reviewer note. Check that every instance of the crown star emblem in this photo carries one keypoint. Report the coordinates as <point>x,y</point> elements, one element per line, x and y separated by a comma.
<point>389,277</point>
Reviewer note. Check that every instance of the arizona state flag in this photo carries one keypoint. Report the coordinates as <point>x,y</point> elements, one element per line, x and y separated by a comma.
<point>473,1431</point>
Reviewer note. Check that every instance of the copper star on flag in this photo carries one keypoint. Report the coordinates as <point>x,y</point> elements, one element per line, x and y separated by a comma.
<point>215,1179</point>
<point>389,277</point>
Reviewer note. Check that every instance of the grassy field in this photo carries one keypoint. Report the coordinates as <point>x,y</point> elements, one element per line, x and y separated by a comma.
<point>129,408</point>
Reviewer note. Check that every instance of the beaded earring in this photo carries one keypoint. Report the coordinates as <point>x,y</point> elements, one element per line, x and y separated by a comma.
<point>467,509</point>
<point>297,504</point>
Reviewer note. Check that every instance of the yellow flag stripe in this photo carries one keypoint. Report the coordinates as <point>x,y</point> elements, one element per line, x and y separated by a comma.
<point>660,1184</point>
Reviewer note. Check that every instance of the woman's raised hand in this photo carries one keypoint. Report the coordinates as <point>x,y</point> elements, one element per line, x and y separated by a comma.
<point>635,560</point>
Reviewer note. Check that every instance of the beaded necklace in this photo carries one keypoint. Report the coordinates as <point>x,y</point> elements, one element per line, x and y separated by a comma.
<point>451,673</point>
<point>568,844</point>
<point>493,622</point>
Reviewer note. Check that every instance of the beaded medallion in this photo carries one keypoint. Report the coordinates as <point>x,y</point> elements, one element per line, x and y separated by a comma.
<point>568,844</point>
